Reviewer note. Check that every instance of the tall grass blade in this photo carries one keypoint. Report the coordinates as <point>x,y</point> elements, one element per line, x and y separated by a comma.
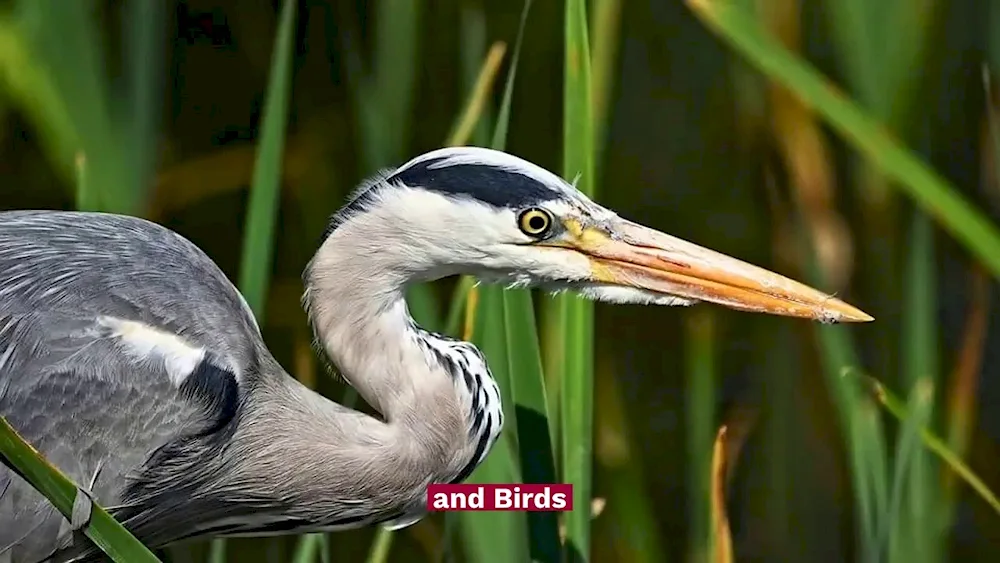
<point>473,34</point>
<point>993,42</point>
<point>144,58</point>
<point>605,28</point>
<point>964,384</point>
<point>527,382</point>
<point>459,303</point>
<point>929,190</point>
<point>379,552</point>
<point>720,543</point>
<point>384,102</point>
<point>217,551</point>
<point>258,241</point>
<point>631,510</point>
<point>859,48</point>
<point>465,125</point>
<point>870,471</point>
<point>963,396</point>
<point>82,181</point>
<point>905,523</point>
<point>897,409</point>
<point>386,98</point>
<point>499,140</point>
<point>310,547</point>
<point>475,106</point>
<point>577,400</point>
<point>485,532</point>
<point>535,440</point>
<point>265,189</point>
<point>881,45</point>
<point>56,112</point>
<point>103,530</point>
<point>30,85</point>
<point>496,536</point>
<point>860,426</point>
<point>700,407</point>
<point>863,431</point>
<point>921,363</point>
<point>75,66</point>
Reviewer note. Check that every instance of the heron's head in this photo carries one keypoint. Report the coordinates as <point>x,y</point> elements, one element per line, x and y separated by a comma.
<point>502,219</point>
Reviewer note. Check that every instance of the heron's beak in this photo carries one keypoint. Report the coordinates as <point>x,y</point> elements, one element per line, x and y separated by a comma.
<point>628,254</point>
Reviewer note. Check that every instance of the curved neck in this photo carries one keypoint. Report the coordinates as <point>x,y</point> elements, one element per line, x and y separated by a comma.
<point>366,330</point>
<point>437,391</point>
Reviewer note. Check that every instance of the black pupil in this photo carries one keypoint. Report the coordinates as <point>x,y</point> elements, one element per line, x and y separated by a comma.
<point>536,223</point>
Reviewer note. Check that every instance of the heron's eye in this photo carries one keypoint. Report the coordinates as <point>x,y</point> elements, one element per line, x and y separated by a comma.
<point>535,222</point>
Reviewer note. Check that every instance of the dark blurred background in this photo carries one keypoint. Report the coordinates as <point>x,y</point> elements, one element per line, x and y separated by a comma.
<point>696,143</point>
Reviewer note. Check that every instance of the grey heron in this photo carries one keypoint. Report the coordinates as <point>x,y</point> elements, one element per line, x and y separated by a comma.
<point>130,360</point>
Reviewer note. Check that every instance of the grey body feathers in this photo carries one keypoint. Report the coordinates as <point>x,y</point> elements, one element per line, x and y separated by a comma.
<point>133,364</point>
<point>66,386</point>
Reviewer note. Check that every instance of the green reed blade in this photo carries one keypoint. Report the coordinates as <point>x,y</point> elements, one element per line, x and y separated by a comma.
<point>605,29</point>
<point>935,195</point>
<point>465,125</point>
<point>379,552</point>
<point>906,519</point>
<point>993,38</point>
<point>700,357</point>
<point>920,363</point>
<point>75,66</point>
<point>860,425</point>
<point>392,87</point>
<point>499,140</point>
<point>535,440</point>
<point>577,382</point>
<point>31,86</point>
<point>258,241</point>
<point>496,536</point>
<point>485,532</point>
<point>896,408</point>
<point>144,58</point>
<point>103,530</point>
<point>78,128</point>
<point>265,189</point>
<point>308,548</point>
<point>473,34</point>
<point>384,100</point>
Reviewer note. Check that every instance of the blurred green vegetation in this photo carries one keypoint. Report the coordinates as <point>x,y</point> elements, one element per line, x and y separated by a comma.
<point>165,101</point>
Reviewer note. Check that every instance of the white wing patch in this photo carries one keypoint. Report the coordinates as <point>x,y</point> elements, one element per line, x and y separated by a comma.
<point>147,343</point>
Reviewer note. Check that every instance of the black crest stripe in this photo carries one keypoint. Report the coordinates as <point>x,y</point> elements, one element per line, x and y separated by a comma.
<point>490,184</point>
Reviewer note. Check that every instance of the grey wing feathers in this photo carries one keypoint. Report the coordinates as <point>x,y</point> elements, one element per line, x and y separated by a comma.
<point>93,406</point>
<point>124,267</point>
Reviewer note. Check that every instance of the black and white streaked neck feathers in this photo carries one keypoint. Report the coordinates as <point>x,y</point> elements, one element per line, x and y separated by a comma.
<point>468,369</point>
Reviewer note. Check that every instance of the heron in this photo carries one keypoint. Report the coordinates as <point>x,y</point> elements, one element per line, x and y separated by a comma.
<point>131,362</point>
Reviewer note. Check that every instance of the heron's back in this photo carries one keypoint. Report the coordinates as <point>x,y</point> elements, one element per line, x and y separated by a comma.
<point>103,264</point>
<point>118,339</point>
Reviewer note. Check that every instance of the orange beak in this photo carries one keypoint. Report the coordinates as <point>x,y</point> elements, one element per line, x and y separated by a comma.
<point>636,256</point>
